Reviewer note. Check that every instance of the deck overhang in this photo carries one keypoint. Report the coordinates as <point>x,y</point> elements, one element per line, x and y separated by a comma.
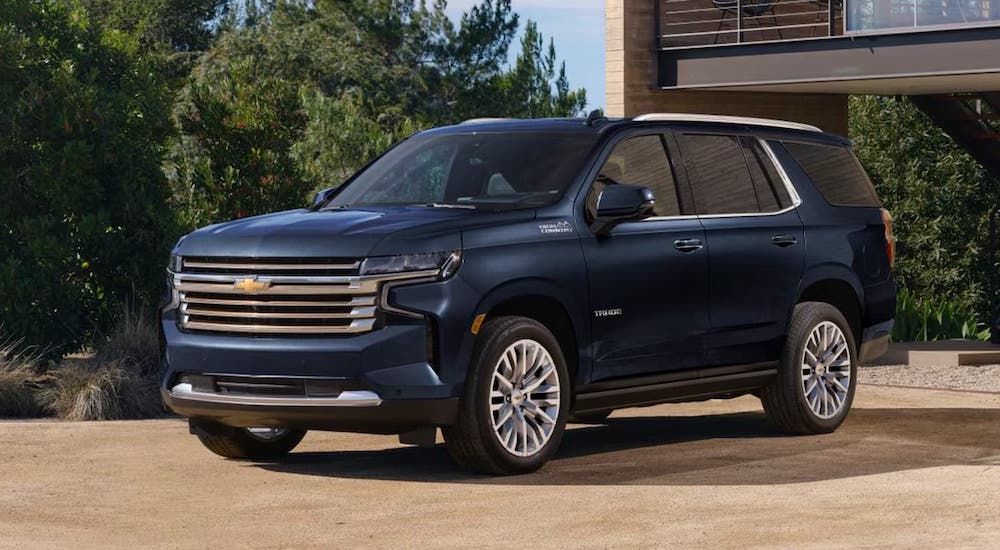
<point>902,63</point>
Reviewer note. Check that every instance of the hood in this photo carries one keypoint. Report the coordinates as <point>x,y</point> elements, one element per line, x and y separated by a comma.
<point>349,233</point>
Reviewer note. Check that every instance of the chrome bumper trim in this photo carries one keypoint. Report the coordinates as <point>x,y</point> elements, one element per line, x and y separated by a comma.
<point>345,399</point>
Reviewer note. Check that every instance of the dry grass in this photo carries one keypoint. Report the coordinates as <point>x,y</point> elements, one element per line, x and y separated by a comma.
<point>118,381</point>
<point>19,380</point>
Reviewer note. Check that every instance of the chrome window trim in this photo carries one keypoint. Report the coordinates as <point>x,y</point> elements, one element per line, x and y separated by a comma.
<point>350,398</point>
<point>793,194</point>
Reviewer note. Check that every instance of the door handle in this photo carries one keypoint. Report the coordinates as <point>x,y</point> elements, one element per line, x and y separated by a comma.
<point>783,240</point>
<point>688,245</point>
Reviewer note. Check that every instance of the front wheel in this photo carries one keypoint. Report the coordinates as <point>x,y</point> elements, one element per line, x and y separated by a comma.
<point>512,414</point>
<point>246,443</point>
<point>817,375</point>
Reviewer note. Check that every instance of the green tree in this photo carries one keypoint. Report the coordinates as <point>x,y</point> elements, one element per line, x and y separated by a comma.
<point>939,197</point>
<point>310,91</point>
<point>84,218</point>
<point>528,88</point>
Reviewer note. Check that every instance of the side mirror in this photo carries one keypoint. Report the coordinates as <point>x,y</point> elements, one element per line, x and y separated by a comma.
<point>622,203</point>
<point>322,196</point>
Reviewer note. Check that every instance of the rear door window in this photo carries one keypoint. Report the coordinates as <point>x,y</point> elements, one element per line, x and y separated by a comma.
<point>718,174</point>
<point>836,173</point>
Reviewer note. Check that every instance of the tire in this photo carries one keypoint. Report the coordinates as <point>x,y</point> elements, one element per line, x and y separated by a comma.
<point>242,443</point>
<point>591,417</point>
<point>473,442</point>
<point>785,399</point>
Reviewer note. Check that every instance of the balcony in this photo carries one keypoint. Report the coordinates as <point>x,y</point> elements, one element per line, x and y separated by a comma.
<point>829,46</point>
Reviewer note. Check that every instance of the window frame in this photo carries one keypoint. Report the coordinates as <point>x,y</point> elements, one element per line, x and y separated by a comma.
<point>793,194</point>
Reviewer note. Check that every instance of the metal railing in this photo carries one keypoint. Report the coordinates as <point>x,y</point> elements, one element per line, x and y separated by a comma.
<point>685,23</point>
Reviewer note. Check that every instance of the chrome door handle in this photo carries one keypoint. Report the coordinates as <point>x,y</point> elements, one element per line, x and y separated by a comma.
<point>688,245</point>
<point>784,240</point>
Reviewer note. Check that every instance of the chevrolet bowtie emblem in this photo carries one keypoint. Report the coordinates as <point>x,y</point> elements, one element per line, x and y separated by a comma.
<point>251,285</point>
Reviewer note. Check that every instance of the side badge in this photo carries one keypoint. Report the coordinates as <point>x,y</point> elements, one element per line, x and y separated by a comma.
<point>556,227</point>
<point>608,312</point>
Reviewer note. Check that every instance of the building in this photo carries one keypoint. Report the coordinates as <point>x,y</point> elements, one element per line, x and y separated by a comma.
<point>800,59</point>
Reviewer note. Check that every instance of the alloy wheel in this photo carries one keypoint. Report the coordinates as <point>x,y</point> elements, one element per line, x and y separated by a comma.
<point>826,370</point>
<point>266,434</point>
<point>524,398</point>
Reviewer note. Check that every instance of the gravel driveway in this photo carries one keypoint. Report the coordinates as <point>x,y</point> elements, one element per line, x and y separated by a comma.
<point>985,378</point>
<point>909,468</point>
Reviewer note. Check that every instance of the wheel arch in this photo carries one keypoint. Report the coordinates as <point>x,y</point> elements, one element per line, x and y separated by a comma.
<point>543,302</point>
<point>841,293</point>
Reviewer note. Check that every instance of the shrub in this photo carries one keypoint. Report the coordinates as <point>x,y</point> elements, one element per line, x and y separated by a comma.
<point>940,200</point>
<point>919,320</point>
<point>84,220</point>
<point>119,381</point>
<point>18,380</point>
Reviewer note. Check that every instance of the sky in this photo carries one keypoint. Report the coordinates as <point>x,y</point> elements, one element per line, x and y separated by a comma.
<point>577,26</point>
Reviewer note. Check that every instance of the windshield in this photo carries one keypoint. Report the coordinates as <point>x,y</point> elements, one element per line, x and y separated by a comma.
<point>509,170</point>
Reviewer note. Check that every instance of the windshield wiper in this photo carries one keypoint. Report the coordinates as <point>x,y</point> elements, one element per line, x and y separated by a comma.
<point>443,205</point>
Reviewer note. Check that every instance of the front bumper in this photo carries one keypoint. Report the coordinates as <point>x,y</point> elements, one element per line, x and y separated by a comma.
<point>351,411</point>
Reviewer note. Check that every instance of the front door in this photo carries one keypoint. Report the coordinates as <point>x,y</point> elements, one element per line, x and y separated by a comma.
<point>648,279</point>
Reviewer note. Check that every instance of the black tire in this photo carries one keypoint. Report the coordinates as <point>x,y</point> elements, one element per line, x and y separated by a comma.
<point>471,441</point>
<point>239,443</point>
<point>784,399</point>
<point>591,417</point>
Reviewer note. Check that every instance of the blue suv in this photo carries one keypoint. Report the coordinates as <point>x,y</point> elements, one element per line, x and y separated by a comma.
<point>499,278</point>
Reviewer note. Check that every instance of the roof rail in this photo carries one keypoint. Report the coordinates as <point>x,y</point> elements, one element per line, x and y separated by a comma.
<point>485,119</point>
<point>682,117</point>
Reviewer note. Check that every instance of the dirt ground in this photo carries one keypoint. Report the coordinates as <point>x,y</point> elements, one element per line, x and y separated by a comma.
<point>912,468</point>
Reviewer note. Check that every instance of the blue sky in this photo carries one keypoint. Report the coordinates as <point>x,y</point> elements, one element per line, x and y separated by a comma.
<point>577,26</point>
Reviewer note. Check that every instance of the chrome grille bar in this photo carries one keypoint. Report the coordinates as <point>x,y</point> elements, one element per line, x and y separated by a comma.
<point>356,313</point>
<point>356,326</point>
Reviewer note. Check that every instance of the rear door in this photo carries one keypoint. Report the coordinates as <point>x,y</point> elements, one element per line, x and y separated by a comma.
<point>755,244</point>
<point>648,279</point>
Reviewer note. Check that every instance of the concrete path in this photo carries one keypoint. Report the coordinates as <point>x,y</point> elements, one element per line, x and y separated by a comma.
<point>910,468</point>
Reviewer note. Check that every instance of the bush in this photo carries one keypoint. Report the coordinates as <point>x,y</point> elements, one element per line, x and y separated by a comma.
<point>120,380</point>
<point>19,380</point>
<point>923,320</point>
<point>84,220</point>
<point>940,199</point>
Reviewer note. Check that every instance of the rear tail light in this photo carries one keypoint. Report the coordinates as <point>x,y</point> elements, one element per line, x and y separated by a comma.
<point>890,239</point>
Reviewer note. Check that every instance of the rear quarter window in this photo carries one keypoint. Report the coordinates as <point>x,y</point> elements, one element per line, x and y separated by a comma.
<point>836,173</point>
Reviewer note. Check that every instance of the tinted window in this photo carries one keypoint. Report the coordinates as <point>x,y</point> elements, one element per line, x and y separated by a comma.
<point>643,161</point>
<point>836,173</point>
<point>772,195</point>
<point>507,170</point>
<point>718,174</point>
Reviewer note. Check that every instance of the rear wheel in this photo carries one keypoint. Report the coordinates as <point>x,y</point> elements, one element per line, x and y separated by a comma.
<point>814,389</point>
<point>512,415</point>
<point>246,443</point>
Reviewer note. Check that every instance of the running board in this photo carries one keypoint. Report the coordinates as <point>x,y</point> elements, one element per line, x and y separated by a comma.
<point>674,391</point>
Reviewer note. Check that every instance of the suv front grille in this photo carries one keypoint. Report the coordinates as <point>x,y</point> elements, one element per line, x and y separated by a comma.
<point>275,296</point>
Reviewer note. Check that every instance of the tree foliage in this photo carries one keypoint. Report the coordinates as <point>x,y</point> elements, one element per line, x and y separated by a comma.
<point>939,197</point>
<point>310,91</point>
<point>83,220</point>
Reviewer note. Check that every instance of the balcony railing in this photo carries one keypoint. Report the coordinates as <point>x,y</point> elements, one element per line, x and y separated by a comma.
<point>686,23</point>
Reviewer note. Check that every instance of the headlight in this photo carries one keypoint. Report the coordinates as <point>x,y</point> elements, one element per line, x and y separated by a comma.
<point>176,261</point>
<point>446,262</point>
